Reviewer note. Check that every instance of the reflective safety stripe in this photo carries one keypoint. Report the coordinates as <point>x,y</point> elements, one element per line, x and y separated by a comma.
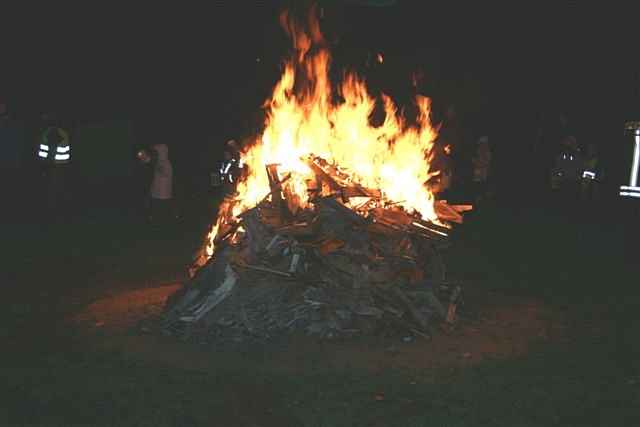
<point>635,165</point>
<point>44,147</point>
<point>626,194</point>
<point>62,156</point>
<point>43,154</point>
<point>64,149</point>
<point>630,191</point>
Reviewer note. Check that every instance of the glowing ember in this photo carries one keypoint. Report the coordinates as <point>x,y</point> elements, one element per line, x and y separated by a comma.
<point>303,121</point>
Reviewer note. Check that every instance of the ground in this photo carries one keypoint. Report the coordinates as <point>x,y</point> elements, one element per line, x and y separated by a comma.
<point>549,336</point>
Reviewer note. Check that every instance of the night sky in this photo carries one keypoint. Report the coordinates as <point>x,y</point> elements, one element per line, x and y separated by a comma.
<point>181,63</point>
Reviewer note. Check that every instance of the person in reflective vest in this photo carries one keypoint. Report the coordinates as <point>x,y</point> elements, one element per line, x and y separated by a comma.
<point>591,174</point>
<point>567,174</point>
<point>568,166</point>
<point>55,145</point>
<point>54,155</point>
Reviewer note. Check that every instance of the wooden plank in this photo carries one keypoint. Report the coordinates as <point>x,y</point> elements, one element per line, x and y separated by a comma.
<point>396,216</point>
<point>324,177</point>
<point>446,212</point>
<point>277,194</point>
<point>300,229</point>
<point>462,208</point>
<point>360,191</point>
<point>342,210</point>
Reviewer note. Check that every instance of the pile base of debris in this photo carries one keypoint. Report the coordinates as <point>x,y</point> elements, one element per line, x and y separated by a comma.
<point>331,269</point>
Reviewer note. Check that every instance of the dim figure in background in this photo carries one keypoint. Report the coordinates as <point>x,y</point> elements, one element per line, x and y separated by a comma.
<point>441,164</point>
<point>481,162</point>
<point>10,140</point>
<point>441,171</point>
<point>566,175</point>
<point>592,175</point>
<point>162,208</point>
<point>54,155</point>
<point>143,178</point>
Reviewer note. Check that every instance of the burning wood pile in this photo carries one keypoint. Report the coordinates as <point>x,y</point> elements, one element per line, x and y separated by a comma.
<point>328,270</point>
<point>333,229</point>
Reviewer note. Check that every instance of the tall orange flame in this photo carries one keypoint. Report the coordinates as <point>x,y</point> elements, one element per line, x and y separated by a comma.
<point>303,120</point>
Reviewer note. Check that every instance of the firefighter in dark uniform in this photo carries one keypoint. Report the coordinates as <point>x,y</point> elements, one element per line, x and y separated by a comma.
<point>229,170</point>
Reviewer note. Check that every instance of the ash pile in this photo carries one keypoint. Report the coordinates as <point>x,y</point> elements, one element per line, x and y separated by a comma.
<point>335,268</point>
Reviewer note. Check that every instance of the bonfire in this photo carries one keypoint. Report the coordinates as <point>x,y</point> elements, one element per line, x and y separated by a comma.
<point>333,228</point>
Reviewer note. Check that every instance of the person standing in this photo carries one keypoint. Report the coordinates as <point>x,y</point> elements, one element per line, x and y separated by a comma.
<point>10,161</point>
<point>162,208</point>
<point>143,175</point>
<point>567,173</point>
<point>441,162</point>
<point>9,140</point>
<point>54,154</point>
<point>481,169</point>
<point>591,175</point>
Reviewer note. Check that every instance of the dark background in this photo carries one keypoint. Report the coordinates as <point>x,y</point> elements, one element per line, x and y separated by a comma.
<point>180,63</point>
<point>118,60</point>
<point>191,77</point>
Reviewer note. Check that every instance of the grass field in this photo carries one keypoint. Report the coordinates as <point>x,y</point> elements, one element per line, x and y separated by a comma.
<point>552,337</point>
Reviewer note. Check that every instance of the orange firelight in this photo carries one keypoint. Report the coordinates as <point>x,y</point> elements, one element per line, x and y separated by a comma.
<point>305,119</point>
